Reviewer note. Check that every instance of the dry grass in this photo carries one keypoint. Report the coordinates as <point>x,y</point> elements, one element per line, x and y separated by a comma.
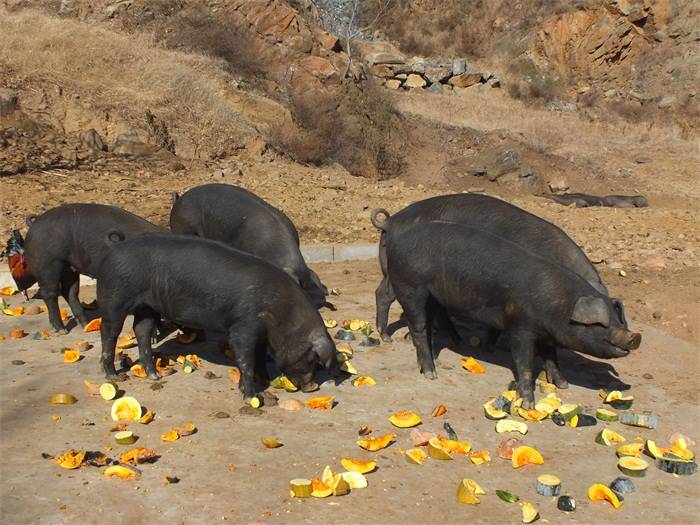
<point>125,76</point>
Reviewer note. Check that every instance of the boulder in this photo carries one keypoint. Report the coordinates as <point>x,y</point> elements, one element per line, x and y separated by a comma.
<point>393,83</point>
<point>436,88</point>
<point>329,41</point>
<point>385,58</point>
<point>381,71</point>
<point>666,102</point>
<point>319,67</point>
<point>91,140</point>
<point>459,66</point>
<point>415,81</point>
<point>466,79</point>
<point>436,74</point>
<point>558,185</point>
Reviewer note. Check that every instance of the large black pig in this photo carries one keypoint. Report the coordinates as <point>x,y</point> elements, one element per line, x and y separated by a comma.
<point>207,285</point>
<point>63,243</point>
<point>500,218</point>
<point>478,276</point>
<point>244,221</point>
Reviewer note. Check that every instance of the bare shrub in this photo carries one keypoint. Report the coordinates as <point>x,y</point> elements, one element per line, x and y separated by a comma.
<point>356,127</point>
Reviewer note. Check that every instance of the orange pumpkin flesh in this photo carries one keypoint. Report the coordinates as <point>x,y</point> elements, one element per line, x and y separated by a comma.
<point>71,356</point>
<point>599,492</point>
<point>472,365</point>
<point>376,443</point>
<point>93,326</point>
<point>358,465</point>
<point>405,419</point>
<point>526,456</point>
<point>320,403</point>
<point>71,459</point>
<point>17,333</point>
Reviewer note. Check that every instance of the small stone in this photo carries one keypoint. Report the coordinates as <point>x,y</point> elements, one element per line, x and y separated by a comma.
<point>210,375</point>
<point>17,362</point>
<point>221,415</point>
<point>666,102</point>
<point>270,399</point>
<point>459,66</point>
<point>415,81</point>
<point>648,376</point>
<point>558,185</point>
<point>393,83</point>
<point>656,315</point>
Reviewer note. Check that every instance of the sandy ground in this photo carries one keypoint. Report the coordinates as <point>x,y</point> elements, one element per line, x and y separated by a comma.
<point>227,475</point>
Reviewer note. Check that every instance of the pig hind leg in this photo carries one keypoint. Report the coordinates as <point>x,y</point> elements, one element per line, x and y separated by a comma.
<point>145,322</point>
<point>70,285</point>
<point>551,366</point>
<point>109,331</point>
<point>415,306</point>
<point>384,297</point>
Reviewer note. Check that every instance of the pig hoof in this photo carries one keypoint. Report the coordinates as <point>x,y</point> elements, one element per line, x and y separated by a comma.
<point>311,387</point>
<point>117,377</point>
<point>154,376</point>
<point>528,405</point>
<point>386,338</point>
<point>430,374</point>
<point>561,383</point>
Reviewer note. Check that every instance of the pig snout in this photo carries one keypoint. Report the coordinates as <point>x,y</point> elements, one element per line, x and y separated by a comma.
<point>625,339</point>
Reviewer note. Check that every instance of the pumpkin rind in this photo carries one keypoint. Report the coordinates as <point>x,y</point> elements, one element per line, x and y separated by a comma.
<point>93,326</point>
<point>126,407</point>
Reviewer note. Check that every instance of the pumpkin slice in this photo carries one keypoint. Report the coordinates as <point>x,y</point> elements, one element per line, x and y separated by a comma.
<point>472,365</point>
<point>680,467</point>
<point>437,449</point>
<point>147,417</point>
<point>271,442</point>
<point>126,408</point>
<point>680,449</point>
<point>546,388</point>
<point>439,410</point>
<point>138,455</point>
<point>14,312</point>
<point>646,420</point>
<point>32,310</point>
<point>376,443</point>
<point>526,456</point>
<point>493,413</point>
<point>358,465</point>
<point>530,513</point>
<point>654,451</point>
<point>91,388</point>
<point>569,410</point>
<point>363,381</point>
<point>548,406</point>
<point>456,446</point>
<point>633,466</point>
<point>618,401</point>
<point>340,486</point>
<point>235,375</point>
<point>630,450</point>
<point>355,480</point>
<point>186,430</point>
<point>348,367</point>
<point>532,415</point>
<point>71,356</point>
<point>173,435</point>
<point>8,290</point>
<point>71,459</point>
<point>17,333</point>
<point>319,489</point>
<point>125,437</point>
<point>330,323</point>
<point>623,485</point>
<point>510,425</point>
<point>599,492</point>
<point>606,415</point>
<point>93,326</point>
<point>281,382</point>
<point>405,419</point>
<point>300,488</point>
<point>466,492</point>
<point>126,341</point>
<point>416,456</point>
<point>122,472</point>
<point>63,399</point>
<point>320,403</point>
<point>609,438</point>
<point>548,485</point>
<point>108,391</point>
<point>479,456</point>
<point>583,420</point>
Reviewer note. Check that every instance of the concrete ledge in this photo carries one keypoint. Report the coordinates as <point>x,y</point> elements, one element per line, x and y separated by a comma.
<point>313,253</point>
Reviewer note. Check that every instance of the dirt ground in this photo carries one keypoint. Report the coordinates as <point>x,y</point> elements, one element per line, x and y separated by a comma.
<point>227,475</point>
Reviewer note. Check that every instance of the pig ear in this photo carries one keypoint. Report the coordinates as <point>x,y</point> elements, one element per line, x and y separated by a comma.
<point>591,310</point>
<point>325,350</point>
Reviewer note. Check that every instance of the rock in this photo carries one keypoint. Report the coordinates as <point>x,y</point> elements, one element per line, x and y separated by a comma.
<point>393,83</point>
<point>130,144</point>
<point>91,140</point>
<point>329,41</point>
<point>558,185</point>
<point>656,315</point>
<point>660,36</point>
<point>494,82</point>
<point>459,66</point>
<point>9,103</point>
<point>466,79</point>
<point>435,88</point>
<point>381,71</point>
<point>436,74</point>
<point>561,105</point>
<point>402,76</point>
<point>415,81</point>
<point>117,8</point>
<point>385,58</point>
<point>667,101</point>
<point>319,67</point>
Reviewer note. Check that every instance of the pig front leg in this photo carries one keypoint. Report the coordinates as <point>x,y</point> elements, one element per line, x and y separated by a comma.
<point>49,292</point>
<point>145,322</point>
<point>522,346</point>
<point>244,345</point>
<point>384,297</point>
<point>70,285</point>
<point>109,331</point>
<point>551,366</point>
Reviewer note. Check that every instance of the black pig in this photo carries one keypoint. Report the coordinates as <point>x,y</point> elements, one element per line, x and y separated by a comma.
<point>207,285</point>
<point>244,221</point>
<point>67,241</point>
<point>478,276</point>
